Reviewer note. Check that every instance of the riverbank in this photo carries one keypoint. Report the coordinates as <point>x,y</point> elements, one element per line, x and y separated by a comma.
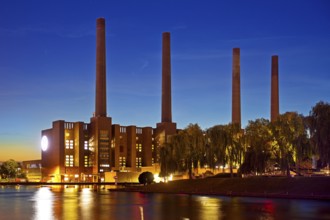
<point>267,187</point>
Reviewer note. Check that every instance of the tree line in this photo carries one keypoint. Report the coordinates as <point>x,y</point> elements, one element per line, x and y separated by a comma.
<point>11,169</point>
<point>287,143</point>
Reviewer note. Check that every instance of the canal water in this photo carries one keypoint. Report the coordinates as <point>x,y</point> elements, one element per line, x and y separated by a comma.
<point>29,202</point>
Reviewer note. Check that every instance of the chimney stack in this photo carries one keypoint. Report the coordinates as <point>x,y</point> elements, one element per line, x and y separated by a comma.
<point>274,103</point>
<point>236,90</point>
<point>166,79</point>
<point>100,99</point>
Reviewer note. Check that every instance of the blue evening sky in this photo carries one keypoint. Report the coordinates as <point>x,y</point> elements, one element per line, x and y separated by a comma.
<point>47,61</point>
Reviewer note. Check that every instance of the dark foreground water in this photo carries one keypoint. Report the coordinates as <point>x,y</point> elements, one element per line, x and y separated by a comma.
<point>72,203</point>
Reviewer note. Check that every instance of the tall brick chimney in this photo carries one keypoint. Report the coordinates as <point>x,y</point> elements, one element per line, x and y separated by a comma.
<point>166,127</point>
<point>274,103</point>
<point>236,88</point>
<point>166,79</point>
<point>101,94</point>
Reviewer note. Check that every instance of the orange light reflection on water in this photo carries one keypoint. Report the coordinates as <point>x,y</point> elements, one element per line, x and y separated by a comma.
<point>43,204</point>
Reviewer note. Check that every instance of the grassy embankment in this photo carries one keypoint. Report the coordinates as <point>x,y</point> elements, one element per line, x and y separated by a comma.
<point>275,187</point>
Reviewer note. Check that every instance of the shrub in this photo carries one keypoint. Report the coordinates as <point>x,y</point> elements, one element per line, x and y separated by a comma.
<point>146,178</point>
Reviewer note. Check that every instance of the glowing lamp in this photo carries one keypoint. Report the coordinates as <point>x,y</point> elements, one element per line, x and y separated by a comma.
<point>44,143</point>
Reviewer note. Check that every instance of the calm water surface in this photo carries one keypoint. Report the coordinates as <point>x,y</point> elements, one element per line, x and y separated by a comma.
<point>73,203</point>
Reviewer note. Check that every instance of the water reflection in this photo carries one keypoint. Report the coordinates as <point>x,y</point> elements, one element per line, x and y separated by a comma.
<point>85,203</point>
<point>210,207</point>
<point>43,207</point>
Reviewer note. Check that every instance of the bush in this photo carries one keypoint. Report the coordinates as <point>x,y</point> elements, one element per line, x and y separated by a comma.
<point>146,178</point>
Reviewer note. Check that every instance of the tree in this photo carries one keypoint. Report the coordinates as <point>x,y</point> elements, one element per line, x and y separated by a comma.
<point>258,154</point>
<point>194,142</point>
<point>320,130</point>
<point>216,146</point>
<point>8,169</point>
<point>288,131</point>
<point>234,146</point>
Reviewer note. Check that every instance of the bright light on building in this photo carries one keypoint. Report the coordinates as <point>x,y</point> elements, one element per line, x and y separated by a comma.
<point>44,143</point>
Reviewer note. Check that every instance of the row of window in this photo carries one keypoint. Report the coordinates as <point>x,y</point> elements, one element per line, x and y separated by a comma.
<point>138,162</point>
<point>69,161</point>
<point>139,147</point>
<point>122,161</point>
<point>88,161</point>
<point>68,144</point>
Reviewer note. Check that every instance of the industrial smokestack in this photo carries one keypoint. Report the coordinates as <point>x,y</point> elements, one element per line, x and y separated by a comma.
<point>236,88</point>
<point>100,97</point>
<point>274,103</point>
<point>166,79</point>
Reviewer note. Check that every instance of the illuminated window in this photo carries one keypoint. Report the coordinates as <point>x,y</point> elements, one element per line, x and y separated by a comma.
<point>152,161</point>
<point>138,162</point>
<point>122,161</point>
<point>86,145</point>
<point>152,147</point>
<point>139,147</point>
<point>87,161</point>
<point>69,160</point>
<point>68,144</point>
<point>104,165</point>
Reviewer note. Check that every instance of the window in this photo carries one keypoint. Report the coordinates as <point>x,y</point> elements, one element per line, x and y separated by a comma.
<point>68,144</point>
<point>122,161</point>
<point>139,130</point>
<point>121,148</point>
<point>87,161</point>
<point>86,145</point>
<point>122,129</point>
<point>139,147</point>
<point>104,165</point>
<point>138,162</point>
<point>69,160</point>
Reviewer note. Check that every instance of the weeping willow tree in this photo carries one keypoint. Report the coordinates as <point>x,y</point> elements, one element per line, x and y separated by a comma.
<point>226,144</point>
<point>320,131</point>
<point>288,132</point>
<point>184,151</point>
<point>216,146</point>
<point>258,154</point>
<point>194,143</point>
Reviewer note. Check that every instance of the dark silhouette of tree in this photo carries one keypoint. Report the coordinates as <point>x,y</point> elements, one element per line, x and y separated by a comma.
<point>320,130</point>
<point>217,143</point>
<point>258,154</point>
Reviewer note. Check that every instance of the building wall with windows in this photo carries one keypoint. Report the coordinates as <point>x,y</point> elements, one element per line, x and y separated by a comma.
<point>84,152</point>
